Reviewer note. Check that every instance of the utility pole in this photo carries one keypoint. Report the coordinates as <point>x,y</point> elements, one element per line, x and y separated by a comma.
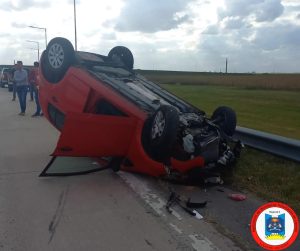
<point>226,65</point>
<point>40,28</point>
<point>75,26</point>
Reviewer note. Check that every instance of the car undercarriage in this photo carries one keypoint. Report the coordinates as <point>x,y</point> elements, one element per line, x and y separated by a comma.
<point>171,135</point>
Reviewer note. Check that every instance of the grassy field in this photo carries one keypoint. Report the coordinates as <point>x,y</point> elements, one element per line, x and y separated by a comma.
<point>266,110</point>
<point>267,102</point>
<point>249,81</point>
<point>270,177</point>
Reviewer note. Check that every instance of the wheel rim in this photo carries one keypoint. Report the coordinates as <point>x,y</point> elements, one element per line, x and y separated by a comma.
<point>56,56</point>
<point>158,125</point>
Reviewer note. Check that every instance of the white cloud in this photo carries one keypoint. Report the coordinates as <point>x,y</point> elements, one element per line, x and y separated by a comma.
<point>259,10</point>
<point>152,16</point>
<point>233,22</point>
<point>269,10</point>
<point>256,35</point>
<point>279,36</point>
<point>20,5</point>
<point>211,30</point>
<point>19,25</point>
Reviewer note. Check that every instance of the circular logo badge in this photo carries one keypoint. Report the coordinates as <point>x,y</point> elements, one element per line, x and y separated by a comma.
<point>274,226</point>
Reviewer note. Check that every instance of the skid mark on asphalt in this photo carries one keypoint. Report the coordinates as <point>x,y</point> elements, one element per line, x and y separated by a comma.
<point>197,241</point>
<point>149,243</point>
<point>58,213</point>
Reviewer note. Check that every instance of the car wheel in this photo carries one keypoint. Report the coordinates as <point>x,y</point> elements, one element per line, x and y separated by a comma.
<point>123,54</point>
<point>225,118</point>
<point>163,132</point>
<point>57,59</point>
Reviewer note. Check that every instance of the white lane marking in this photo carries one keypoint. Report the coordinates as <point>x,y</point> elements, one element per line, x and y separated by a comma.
<point>177,229</point>
<point>201,243</point>
<point>147,194</point>
<point>198,241</point>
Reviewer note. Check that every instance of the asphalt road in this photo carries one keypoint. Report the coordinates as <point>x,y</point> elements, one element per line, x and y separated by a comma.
<point>99,211</point>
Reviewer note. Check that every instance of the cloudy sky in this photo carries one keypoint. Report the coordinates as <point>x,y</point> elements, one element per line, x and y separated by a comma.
<point>187,35</point>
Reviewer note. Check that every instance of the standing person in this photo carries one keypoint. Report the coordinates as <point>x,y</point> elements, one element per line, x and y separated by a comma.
<point>34,83</point>
<point>21,80</point>
<point>14,83</point>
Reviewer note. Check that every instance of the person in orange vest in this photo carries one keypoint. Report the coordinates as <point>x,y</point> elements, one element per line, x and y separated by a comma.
<point>33,80</point>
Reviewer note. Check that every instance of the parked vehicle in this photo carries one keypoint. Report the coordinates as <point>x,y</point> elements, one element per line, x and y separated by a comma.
<point>104,109</point>
<point>5,77</point>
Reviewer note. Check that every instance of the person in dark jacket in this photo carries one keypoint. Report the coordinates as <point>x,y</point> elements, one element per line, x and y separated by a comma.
<point>21,80</point>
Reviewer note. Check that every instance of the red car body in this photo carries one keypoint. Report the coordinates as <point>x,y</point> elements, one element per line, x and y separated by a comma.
<point>98,118</point>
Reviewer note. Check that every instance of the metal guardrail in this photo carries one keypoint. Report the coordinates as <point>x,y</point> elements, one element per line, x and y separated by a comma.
<point>278,145</point>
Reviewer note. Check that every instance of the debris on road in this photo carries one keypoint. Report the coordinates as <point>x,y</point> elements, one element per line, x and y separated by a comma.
<point>188,206</point>
<point>195,204</point>
<point>214,180</point>
<point>237,196</point>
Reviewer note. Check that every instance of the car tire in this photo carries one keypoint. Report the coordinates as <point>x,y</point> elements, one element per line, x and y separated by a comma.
<point>123,54</point>
<point>162,132</point>
<point>225,118</point>
<point>2,85</point>
<point>56,59</point>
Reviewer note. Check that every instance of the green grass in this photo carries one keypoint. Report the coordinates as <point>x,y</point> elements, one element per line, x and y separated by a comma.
<point>270,177</point>
<point>254,81</point>
<point>273,111</point>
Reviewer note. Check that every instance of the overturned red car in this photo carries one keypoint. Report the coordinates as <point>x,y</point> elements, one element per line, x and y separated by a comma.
<point>105,110</point>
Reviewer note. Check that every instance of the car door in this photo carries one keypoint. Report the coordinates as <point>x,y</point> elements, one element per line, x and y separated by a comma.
<point>89,142</point>
<point>95,135</point>
<point>68,166</point>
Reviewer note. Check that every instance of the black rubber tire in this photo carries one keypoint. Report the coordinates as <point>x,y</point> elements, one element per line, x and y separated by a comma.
<point>226,119</point>
<point>54,72</point>
<point>161,147</point>
<point>124,55</point>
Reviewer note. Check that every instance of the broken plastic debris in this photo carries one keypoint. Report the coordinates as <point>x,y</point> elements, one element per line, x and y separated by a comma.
<point>237,196</point>
<point>197,215</point>
<point>175,199</point>
<point>195,204</point>
<point>214,180</point>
